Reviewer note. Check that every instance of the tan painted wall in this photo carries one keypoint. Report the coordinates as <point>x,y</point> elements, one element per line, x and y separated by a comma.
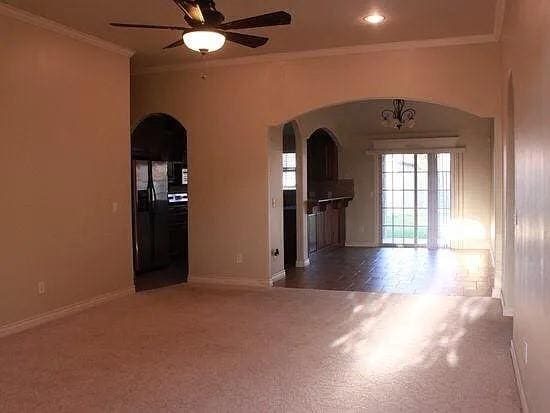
<point>64,160</point>
<point>227,117</point>
<point>526,52</point>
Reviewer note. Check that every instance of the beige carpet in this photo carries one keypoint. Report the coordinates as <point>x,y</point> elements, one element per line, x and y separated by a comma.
<point>197,349</point>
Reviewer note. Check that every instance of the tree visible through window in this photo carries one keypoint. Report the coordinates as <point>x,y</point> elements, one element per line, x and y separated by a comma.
<point>289,171</point>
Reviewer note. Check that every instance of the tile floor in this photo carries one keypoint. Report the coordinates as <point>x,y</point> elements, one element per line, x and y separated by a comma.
<point>396,270</point>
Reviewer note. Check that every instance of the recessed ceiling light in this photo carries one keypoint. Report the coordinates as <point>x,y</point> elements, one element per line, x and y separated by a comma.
<point>374,18</point>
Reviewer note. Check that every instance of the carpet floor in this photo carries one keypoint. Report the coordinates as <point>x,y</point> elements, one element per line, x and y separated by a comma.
<point>205,349</point>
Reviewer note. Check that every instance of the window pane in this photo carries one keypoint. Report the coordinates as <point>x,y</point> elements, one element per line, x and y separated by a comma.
<point>387,199</point>
<point>422,162</point>
<point>289,160</point>
<point>408,217</point>
<point>398,199</point>
<point>422,218</point>
<point>387,216</point>
<point>397,162</point>
<point>422,199</point>
<point>387,181</point>
<point>397,217</point>
<point>408,235</point>
<point>409,199</point>
<point>387,235</point>
<point>289,180</point>
<point>398,181</point>
<point>422,181</point>
<point>422,234</point>
<point>387,163</point>
<point>408,163</point>
<point>398,232</point>
<point>408,180</point>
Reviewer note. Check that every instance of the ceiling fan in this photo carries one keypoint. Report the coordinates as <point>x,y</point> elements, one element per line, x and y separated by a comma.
<point>208,32</point>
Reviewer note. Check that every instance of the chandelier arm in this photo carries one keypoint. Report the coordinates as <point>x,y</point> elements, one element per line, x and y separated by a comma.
<point>388,114</point>
<point>409,114</point>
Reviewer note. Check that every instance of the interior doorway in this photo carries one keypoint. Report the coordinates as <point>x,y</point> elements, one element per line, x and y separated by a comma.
<point>289,196</point>
<point>159,202</point>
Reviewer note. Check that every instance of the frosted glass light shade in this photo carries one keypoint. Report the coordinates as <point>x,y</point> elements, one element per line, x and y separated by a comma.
<point>204,41</point>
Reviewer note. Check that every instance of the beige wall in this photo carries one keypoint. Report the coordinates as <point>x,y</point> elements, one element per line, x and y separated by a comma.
<point>356,125</point>
<point>227,117</point>
<point>64,161</point>
<point>526,52</point>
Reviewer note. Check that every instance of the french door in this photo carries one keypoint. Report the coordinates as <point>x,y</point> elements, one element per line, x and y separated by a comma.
<point>416,199</point>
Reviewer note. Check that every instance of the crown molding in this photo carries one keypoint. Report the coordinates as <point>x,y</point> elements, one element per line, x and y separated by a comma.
<point>309,54</point>
<point>500,12</point>
<point>50,25</point>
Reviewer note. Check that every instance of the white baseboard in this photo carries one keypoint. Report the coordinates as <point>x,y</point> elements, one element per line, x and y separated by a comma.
<point>519,381</point>
<point>507,311</point>
<point>362,244</point>
<point>56,314</point>
<point>231,281</point>
<point>303,264</point>
<point>281,275</point>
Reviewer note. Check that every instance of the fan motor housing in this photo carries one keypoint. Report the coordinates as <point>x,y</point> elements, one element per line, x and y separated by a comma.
<point>211,16</point>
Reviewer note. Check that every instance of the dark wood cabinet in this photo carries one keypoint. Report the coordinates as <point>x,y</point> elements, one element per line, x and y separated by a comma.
<point>326,228</point>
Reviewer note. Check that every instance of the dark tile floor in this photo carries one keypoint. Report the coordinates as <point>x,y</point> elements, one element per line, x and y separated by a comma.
<point>396,270</point>
<point>176,273</point>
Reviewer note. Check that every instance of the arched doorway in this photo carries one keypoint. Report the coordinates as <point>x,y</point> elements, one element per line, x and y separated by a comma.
<point>159,202</point>
<point>399,188</point>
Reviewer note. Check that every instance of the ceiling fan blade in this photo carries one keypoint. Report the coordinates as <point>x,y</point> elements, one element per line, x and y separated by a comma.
<point>246,39</point>
<point>278,18</point>
<point>177,43</point>
<point>192,9</point>
<point>148,26</point>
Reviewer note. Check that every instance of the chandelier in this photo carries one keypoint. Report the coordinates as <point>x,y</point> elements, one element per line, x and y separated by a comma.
<point>399,117</point>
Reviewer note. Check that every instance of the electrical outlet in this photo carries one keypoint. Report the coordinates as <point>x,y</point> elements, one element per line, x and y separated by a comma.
<point>239,258</point>
<point>525,349</point>
<point>41,288</point>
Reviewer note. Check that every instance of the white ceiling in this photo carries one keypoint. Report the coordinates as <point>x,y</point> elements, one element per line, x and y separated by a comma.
<point>317,24</point>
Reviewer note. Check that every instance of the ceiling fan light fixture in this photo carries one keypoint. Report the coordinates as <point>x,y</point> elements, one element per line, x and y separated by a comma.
<point>204,41</point>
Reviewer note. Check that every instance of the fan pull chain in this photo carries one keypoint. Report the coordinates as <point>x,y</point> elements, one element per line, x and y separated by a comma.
<point>204,75</point>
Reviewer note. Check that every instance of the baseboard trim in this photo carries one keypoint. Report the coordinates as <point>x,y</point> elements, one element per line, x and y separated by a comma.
<point>281,275</point>
<point>35,321</point>
<point>519,381</point>
<point>506,310</point>
<point>361,244</point>
<point>303,264</point>
<point>231,281</point>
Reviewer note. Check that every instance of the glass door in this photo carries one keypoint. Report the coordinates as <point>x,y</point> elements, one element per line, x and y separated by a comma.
<point>415,199</point>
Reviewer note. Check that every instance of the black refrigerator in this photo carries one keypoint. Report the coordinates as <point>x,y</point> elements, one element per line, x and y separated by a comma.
<point>151,234</point>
